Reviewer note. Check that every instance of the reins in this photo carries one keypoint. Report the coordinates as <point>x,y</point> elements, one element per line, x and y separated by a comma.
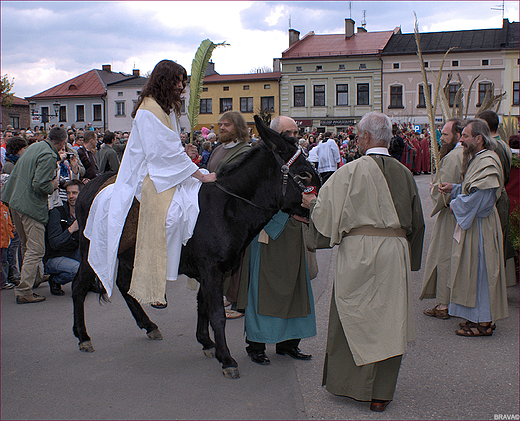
<point>286,171</point>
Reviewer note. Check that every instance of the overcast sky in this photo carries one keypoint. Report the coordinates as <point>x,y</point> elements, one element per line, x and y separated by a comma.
<point>45,43</point>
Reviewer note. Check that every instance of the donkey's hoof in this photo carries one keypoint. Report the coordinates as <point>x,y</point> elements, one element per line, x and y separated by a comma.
<point>210,352</point>
<point>155,334</point>
<point>231,372</point>
<point>86,346</point>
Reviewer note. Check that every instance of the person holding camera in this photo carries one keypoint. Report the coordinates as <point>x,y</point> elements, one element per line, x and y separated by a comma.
<point>33,178</point>
<point>69,168</point>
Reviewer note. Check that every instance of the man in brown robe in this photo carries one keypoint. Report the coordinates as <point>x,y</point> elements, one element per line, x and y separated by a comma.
<point>438,262</point>
<point>371,208</point>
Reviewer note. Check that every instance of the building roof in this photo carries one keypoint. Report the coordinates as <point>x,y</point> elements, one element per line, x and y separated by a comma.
<point>246,77</point>
<point>130,82</point>
<point>90,84</point>
<point>19,101</point>
<point>361,43</point>
<point>471,40</point>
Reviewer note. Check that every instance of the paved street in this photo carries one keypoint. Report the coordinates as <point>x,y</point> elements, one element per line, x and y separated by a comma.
<point>44,376</point>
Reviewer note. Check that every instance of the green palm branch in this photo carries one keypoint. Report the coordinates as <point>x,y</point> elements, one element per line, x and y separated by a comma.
<point>198,69</point>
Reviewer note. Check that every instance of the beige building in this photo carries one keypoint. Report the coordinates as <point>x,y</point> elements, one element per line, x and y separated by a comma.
<point>490,55</point>
<point>247,93</point>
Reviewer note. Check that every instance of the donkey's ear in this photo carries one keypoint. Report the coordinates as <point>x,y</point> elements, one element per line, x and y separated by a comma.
<point>269,136</point>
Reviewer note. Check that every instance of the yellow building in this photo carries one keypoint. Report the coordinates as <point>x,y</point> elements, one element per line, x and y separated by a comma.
<point>247,93</point>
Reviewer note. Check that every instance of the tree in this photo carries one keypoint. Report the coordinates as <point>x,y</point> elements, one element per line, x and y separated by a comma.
<point>7,96</point>
<point>266,115</point>
<point>263,69</point>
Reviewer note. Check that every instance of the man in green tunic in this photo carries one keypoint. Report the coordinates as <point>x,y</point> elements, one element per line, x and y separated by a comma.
<point>371,208</point>
<point>438,262</point>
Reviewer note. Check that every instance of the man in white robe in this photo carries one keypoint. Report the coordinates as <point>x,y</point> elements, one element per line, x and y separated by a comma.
<point>371,208</point>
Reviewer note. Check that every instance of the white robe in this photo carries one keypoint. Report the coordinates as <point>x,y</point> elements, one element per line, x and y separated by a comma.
<point>153,149</point>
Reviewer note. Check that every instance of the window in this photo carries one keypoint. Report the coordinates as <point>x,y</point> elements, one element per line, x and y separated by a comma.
<point>45,114</point>
<point>63,113</point>
<point>206,106</point>
<point>455,63</point>
<point>483,88</point>
<point>319,68</point>
<point>362,94</point>
<point>183,106</point>
<point>120,94</point>
<point>342,94</point>
<point>80,113</point>
<point>120,108</point>
<point>319,95</point>
<point>362,66</point>
<point>204,89</point>
<point>245,87</point>
<point>226,104</point>
<point>426,64</point>
<point>138,93</point>
<point>299,96</point>
<point>516,100</point>
<point>15,121</point>
<point>341,67</point>
<point>485,62</point>
<point>422,99</point>
<point>226,88</point>
<point>267,103</point>
<point>396,96</point>
<point>267,86</point>
<point>246,105</point>
<point>452,91</point>
<point>396,65</point>
<point>298,68</point>
<point>97,112</point>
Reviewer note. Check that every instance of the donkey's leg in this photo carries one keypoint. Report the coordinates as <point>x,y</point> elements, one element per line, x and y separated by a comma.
<point>203,325</point>
<point>217,317</point>
<point>82,283</point>
<point>124,276</point>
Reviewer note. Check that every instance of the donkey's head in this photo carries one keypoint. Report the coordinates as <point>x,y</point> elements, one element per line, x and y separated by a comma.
<point>296,173</point>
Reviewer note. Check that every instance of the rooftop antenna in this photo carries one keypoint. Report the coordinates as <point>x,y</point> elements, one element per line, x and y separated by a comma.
<point>289,21</point>
<point>350,9</point>
<point>364,22</point>
<point>500,7</point>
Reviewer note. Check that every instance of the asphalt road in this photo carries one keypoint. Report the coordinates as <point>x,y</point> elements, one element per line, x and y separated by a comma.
<point>130,377</point>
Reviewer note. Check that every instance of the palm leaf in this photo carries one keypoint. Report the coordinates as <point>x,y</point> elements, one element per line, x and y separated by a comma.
<point>198,69</point>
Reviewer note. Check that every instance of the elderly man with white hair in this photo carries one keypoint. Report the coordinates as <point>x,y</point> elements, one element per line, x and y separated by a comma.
<point>371,208</point>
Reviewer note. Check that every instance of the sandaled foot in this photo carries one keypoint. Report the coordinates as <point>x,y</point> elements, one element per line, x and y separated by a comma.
<point>461,325</point>
<point>475,329</point>
<point>436,312</point>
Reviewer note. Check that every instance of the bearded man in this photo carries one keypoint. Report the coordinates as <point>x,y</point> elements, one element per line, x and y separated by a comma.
<point>478,282</point>
<point>438,262</point>
<point>372,209</point>
<point>234,138</point>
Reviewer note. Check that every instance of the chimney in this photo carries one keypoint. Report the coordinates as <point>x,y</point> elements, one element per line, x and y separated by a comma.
<point>210,70</point>
<point>349,27</point>
<point>294,36</point>
<point>361,29</point>
<point>276,64</point>
<point>107,68</point>
<point>135,72</point>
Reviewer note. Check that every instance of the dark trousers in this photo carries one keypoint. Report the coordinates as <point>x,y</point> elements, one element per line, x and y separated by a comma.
<point>284,345</point>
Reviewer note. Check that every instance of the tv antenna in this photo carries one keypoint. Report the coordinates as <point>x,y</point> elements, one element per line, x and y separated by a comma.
<point>500,7</point>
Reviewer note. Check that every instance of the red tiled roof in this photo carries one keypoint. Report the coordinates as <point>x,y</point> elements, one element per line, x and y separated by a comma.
<point>361,43</point>
<point>253,77</point>
<point>91,83</point>
<point>19,101</point>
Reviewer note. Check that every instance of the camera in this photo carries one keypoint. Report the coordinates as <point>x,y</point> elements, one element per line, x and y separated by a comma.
<point>69,155</point>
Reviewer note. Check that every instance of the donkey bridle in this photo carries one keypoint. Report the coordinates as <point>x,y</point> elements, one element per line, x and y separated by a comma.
<point>286,171</point>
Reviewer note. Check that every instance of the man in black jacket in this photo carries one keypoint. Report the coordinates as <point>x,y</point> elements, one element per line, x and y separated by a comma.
<point>62,238</point>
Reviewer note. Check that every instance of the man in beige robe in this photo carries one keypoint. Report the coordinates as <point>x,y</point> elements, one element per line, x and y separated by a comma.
<point>478,284</point>
<point>371,208</point>
<point>438,262</point>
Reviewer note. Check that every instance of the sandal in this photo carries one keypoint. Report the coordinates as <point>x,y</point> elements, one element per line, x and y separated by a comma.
<point>475,329</point>
<point>461,325</point>
<point>233,314</point>
<point>436,312</point>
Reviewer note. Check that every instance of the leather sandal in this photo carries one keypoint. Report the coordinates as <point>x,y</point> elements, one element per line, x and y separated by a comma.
<point>461,325</point>
<point>471,329</point>
<point>435,312</point>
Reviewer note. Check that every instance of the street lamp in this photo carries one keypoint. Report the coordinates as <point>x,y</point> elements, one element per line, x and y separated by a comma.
<point>45,115</point>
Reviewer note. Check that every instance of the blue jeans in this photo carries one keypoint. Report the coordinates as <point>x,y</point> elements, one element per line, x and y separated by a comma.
<point>62,269</point>
<point>5,267</point>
